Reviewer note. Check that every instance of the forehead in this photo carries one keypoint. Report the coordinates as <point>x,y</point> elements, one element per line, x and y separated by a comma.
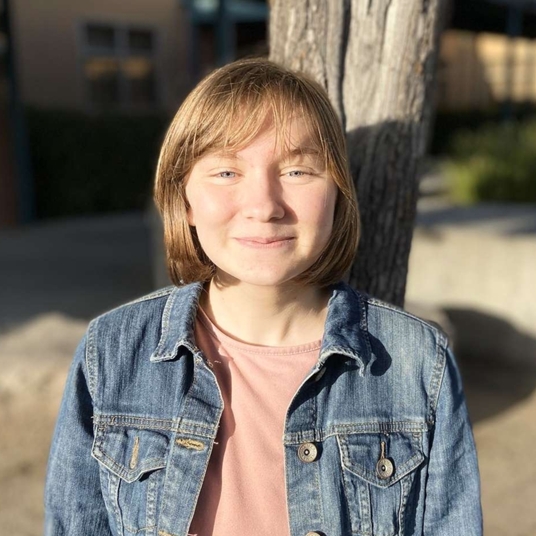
<point>292,137</point>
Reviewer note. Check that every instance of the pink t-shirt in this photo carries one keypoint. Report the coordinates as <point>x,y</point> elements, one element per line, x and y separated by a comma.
<point>244,488</point>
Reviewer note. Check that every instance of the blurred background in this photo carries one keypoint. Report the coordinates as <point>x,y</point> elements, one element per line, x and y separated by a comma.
<point>86,93</point>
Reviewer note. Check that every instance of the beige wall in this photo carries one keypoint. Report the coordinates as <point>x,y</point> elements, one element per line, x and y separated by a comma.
<point>48,51</point>
<point>472,72</point>
<point>485,268</point>
<point>478,70</point>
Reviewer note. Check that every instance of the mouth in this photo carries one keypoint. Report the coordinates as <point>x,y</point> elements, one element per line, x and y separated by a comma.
<point>265,242</point>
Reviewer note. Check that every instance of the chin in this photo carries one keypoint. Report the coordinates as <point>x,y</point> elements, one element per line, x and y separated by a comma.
<point>259,279</point>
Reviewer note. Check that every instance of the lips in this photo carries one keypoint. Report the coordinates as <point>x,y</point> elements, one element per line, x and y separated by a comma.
<point>265,242</point>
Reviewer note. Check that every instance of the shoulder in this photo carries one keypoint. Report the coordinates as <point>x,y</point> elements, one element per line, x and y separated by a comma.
<point>360,315</point>
<point>126,337</point>
<point>384,316</point>
<point>404,356</point>
<point>411,347</point>
<point>150,313</point>
<point>140,310</point>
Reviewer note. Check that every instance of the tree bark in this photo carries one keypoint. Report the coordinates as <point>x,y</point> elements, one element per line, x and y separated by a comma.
<point>377,59</point>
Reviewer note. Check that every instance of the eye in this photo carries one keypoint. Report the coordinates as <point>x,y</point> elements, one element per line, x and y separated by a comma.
<point>296,173</point>
<point>227,174</point>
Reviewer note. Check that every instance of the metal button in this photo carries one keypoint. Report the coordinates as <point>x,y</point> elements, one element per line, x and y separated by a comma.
<point>307,452</point>
<point>384,468</point>
<point>313,533</point>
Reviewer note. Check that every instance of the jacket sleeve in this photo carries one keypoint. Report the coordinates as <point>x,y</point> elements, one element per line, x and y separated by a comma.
<point>452,505</point>
<point>74,505</point>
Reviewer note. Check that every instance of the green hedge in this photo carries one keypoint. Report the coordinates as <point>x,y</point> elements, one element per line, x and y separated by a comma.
<point>89,164</point>
<point>447,125</point>
<point>493,163</point>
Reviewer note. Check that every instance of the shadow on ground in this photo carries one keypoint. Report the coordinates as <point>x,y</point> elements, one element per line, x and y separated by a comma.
<point>505,218</point>
<point>78,267</point>
<point>497,361</point>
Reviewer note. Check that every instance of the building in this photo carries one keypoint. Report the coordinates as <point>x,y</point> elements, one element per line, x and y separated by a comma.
<point>134,57</point>
<point>488,55</point>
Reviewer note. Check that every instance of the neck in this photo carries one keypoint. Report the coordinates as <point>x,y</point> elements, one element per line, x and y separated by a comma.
<point>270,316</point>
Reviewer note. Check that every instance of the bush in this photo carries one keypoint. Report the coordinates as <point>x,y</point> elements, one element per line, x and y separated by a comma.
<point>447,124</point>
<point>88,164</point>
<point>493,163</point>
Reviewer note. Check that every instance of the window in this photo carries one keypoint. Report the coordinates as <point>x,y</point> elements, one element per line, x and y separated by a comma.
<point>101,37</point>
<point>119,66</point>
<point>222,30</point>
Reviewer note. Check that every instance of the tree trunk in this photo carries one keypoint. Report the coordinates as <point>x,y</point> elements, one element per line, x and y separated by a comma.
<point>376,58</point>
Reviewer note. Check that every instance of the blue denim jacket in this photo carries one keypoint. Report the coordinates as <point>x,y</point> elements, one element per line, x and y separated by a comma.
<point>383,406</point>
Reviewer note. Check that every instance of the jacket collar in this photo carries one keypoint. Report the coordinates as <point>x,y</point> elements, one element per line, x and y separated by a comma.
<point>178,322</point>
<point>346,331</point>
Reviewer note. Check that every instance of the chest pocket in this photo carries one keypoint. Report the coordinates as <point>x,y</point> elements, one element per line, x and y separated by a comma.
<point>379,474</point>
<point>132,463</point>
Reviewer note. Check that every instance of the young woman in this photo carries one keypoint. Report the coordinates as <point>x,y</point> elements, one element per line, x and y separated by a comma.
<point>259,394</point>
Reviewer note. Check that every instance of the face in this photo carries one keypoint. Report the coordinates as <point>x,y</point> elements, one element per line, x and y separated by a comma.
<point>264,213</point>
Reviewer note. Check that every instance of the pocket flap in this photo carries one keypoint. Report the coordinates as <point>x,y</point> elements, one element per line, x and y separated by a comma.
<point>130,452</point>
<point>360,454</point>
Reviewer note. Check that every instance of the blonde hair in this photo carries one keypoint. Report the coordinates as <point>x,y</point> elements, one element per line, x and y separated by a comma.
<point>227,110</point>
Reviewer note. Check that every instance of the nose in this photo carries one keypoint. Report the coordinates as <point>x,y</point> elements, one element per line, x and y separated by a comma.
<point>262,199</point>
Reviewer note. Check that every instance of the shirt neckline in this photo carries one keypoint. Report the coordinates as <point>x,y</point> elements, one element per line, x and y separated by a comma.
<point>254,349</point>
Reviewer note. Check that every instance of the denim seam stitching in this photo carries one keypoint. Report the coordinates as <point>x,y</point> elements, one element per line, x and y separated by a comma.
<point>436,379</point>
<point>368,508</point>
<point>405,469</point>
<point>354,522</point>
<point>196,498</point>
<point>404,494</point>
<point>118,469</point>
<point>115,501</point>
<point>183,427</point>
<point>135,422</point>
<point>293,438</point>
<point>165,326</point>
<point>364,321</point>
<point>90,359</point>
<point>316,469</point>
<point>389,307</point>
<point>143,529</point>
<point>152,296</point>
<point>165,487</point>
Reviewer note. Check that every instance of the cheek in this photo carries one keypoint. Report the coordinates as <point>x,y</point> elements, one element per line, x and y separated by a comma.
<point>208,208</point>
<point>326,215</point>
<point>321,209</point>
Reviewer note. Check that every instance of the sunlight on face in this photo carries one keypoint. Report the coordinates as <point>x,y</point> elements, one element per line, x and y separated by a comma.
<point>263,213</point>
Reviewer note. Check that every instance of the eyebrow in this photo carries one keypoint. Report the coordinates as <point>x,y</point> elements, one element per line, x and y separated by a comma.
<point>302,151</point>
<point>224,153</point>
<point>297,151</point>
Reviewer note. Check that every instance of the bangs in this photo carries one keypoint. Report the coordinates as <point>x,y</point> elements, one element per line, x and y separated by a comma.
<point>232,117</point>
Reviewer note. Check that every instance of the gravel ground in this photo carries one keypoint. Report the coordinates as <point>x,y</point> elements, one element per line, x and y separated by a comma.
<point>56,277</point>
